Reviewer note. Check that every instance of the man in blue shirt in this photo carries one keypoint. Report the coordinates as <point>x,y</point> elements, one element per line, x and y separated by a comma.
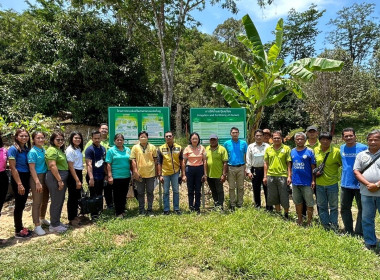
<point>95,156</point>
<point>303,163</point>
<point>350,187</point>
<point>236,150</point>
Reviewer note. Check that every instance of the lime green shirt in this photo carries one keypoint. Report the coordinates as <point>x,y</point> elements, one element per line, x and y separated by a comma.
<point>317,144</point>
<point>53,153</point>
<point>331,171</point>
<point>277,160</point>
<point>215,161</point>
<point>104,143</point>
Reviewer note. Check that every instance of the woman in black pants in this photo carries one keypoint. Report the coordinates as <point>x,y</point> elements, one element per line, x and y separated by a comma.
<point>18,163</point>
<point>75,179</point>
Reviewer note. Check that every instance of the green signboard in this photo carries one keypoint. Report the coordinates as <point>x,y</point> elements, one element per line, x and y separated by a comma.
<point>207,121</point>
<point>129,121</point>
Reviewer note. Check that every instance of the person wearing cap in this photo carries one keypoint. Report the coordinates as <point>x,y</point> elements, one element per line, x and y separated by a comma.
<point>312,137</point>
<point>312,142</point>
<point>217,158</point>
<point>267,136</point>
<point>236,150</point>
<point>327,182</point>
<point>255,167</point>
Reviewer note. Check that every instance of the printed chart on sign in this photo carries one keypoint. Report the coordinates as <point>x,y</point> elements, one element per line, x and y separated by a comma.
<point>129,121</point>
<point>207,121</point>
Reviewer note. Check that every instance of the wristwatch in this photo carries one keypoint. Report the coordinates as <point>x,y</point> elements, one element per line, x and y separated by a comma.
<point>378,184</point>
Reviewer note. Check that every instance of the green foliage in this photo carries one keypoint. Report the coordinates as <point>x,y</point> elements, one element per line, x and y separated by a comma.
<point>300,32</point>
<point>69,60</point>
<point>266,81</point>
<point>38,122</point>
<point>356,31</point>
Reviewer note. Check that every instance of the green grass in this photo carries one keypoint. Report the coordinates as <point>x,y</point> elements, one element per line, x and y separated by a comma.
<point>246,244</point>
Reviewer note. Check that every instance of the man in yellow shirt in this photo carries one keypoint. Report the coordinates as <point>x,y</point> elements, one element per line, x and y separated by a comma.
<point>170,157</point>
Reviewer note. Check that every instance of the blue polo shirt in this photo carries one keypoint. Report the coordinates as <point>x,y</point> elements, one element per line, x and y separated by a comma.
<point>236,151</point>
<point>301,166</point>
<point>37,156</point>
<point>98,157</point>
<point>20,157</point>
<point>348,155</point>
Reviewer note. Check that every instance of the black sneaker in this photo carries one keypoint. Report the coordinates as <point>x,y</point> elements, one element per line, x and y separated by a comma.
<point>178,212</point>
<point>166,212</point>
<point>232,208</point>
<point>150,213</point>
<point>142,212</point>
<point>286,216</point>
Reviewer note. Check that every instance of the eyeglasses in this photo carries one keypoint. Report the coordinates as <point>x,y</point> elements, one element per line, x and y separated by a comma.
<point>59,139</point>
<point>168,136</point>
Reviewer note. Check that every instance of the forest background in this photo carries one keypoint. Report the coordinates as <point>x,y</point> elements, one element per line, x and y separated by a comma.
<point>75,59</point>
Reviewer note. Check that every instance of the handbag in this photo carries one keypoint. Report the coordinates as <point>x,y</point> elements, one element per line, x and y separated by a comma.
<point>90,205</point>
<point>318,171</point>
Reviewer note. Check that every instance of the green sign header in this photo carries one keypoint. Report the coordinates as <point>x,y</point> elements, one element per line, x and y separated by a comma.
<point>207,121</point>
<point>129,121</point>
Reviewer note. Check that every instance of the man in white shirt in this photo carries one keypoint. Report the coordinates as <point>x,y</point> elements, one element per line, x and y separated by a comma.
<point>255,166</point>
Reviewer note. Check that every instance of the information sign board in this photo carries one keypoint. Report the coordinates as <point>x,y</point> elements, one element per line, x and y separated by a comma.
<point>129,121</point>
<point>207,121</point>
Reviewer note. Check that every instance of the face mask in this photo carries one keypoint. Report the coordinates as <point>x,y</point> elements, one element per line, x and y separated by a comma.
<point>143,140</point>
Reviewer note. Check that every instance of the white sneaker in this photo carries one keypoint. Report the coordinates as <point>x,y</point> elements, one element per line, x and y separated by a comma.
<point>45,222</point>
<point>39,231</point>
<point>58,229</point>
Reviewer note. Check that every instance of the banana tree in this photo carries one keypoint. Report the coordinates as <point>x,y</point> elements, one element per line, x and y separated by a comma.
<point>266,80</point>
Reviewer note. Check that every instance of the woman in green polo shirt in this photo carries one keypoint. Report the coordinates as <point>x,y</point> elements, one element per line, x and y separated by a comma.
<point>119,175</point>
<point>56,179</point>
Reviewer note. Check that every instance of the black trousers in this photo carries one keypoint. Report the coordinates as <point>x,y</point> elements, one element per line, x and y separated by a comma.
<point>257,180</point>
<point>20,200</point>
<point>96,190</point>
<point>120,189</point>
<point>216,187</point>
<point>108,195</point>
<point>3,188</point>
<point>74,195</point>
<point>194,184</point>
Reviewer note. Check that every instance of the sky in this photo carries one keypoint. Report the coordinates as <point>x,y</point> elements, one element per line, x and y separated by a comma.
<point>265,20</point>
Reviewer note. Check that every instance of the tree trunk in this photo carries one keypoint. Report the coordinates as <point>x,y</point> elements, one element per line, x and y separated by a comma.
<point>178,121</point>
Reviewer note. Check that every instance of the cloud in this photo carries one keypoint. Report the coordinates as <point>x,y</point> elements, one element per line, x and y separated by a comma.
<point>279,8</point>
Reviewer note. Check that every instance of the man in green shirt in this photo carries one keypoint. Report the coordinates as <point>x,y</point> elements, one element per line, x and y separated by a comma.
<point>312,137</point>
<point>277,173</point>
<point>327,182</point>
<point>217,158</point>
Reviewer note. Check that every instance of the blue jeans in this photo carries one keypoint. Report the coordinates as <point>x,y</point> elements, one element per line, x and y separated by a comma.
<point>369,206</point>
<point>174,180</point>
<point>327,199</point>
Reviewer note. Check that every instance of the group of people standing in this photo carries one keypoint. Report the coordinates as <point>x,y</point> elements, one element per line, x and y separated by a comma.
<point>311,168</point>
